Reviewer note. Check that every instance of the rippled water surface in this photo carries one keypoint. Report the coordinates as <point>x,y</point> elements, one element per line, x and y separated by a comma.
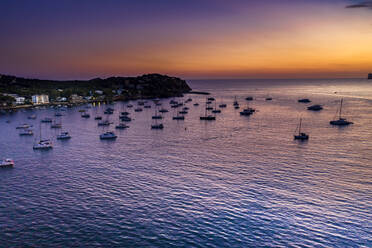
<point>236,182</point>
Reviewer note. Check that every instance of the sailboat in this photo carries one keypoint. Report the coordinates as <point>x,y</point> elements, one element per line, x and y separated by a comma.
<point>215,110</point>
<point>341,121</point>
<point>223,105</point>
<point>55,124</point>
<point>300,135</point>
<point>178,116</point>
<point>207,117</point>
<point>157,116</point>
<point>156,125</point>
<point>43,144</point>
<point>236,104</point>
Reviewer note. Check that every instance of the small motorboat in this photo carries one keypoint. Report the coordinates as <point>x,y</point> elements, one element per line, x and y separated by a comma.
<point>316,107</point>
<point>32,117</point>
<point>141,103</point>
<point>183,112</point>
<point>223,105</point>
<point>147,106</point>
<point>121,126</point>
<point>158,117</point>
<point>43,145</point>
<point>216,111</point>
<point>63,136</point>
<point>98,118</point>
<point>249,98</point>
<point>130,106</point>
<point>304,100</point>
<point>6,163</point>
<point>85,115</point>
<point>108,135</point>
<point>268,99</point>
<point>58,114</point>
<point>196,104</point>
<point>124,113</point>
<point>138,110</point>
<point>211,99</point>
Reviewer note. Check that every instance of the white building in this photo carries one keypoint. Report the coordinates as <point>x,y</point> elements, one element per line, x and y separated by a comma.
<point>40,99</point>
<point>20,100</point>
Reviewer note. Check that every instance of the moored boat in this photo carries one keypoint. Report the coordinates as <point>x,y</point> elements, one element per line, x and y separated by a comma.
<point>108,135</point>
<point>7,163</point>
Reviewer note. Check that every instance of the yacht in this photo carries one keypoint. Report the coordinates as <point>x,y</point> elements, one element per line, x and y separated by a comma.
<point>6,163</point>
<point>121,126</point>
<point>300,135</point>
<point>63,136</point>
<point>316,107</point>
<point>341,121</point>
<point>26,132</point>
<point>108,135</point>
<point>43,145</point>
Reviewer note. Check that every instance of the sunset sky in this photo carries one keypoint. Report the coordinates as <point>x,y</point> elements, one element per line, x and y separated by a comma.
<point>187,38</point>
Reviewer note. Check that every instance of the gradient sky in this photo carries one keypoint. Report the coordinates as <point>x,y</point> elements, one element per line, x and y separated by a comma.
<point>188,38</point>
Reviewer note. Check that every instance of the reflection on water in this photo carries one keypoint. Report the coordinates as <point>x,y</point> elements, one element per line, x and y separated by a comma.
<point>236,182</point>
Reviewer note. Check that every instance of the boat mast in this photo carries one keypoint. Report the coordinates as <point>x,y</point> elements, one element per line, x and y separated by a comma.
<point>299,129</point>
<point>340,108</point>
<point>206,105</point>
